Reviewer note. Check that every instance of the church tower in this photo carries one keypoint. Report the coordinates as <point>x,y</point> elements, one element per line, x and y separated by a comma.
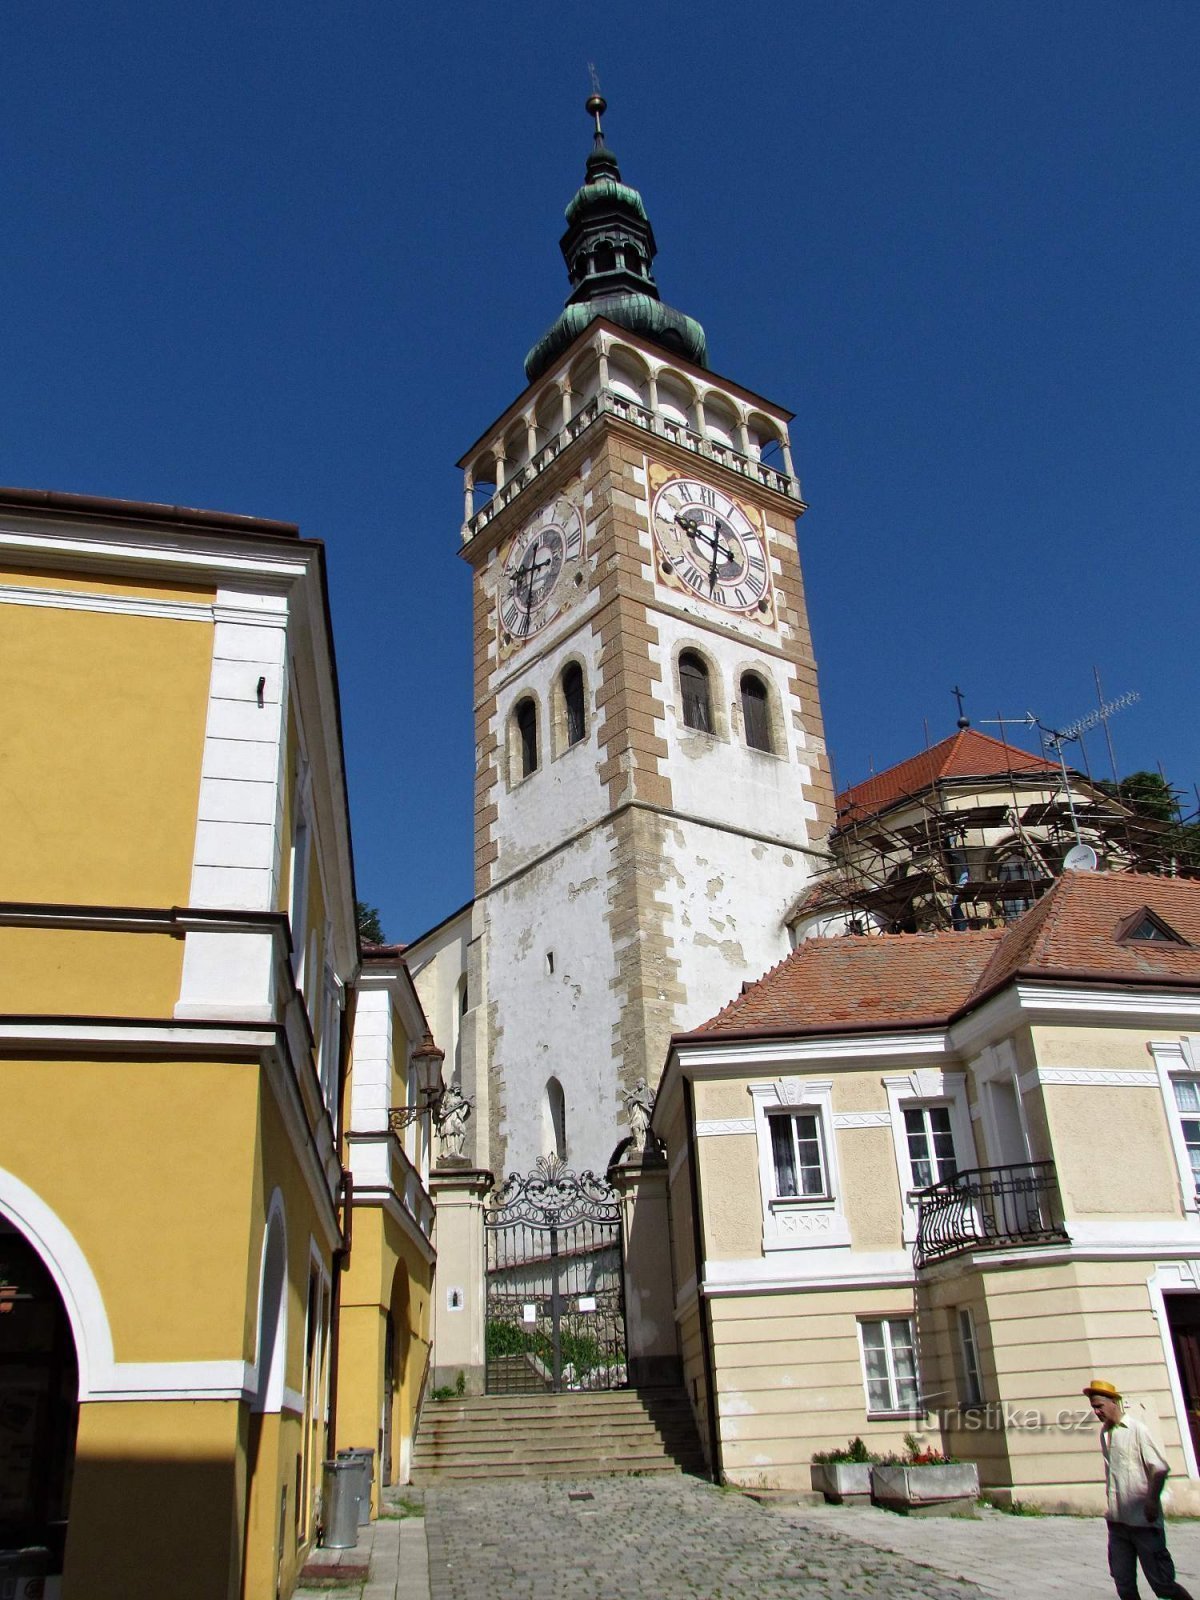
<point>651,787</point>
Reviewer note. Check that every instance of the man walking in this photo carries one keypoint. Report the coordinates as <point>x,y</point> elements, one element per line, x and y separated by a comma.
<point>1135,1471</point>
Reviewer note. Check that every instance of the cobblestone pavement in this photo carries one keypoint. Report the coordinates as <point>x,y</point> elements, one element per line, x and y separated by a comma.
<point>666,1538</point>
<point>1010,1558</point>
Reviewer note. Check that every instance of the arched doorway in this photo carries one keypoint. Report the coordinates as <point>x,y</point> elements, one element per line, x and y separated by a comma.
<point>396,1422</point>
<point>39,1404</point>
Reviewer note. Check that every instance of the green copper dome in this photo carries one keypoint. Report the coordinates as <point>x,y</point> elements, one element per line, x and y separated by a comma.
<point>609,250</point>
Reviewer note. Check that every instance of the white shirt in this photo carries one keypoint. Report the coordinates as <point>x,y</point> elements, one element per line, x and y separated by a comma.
<point>1130,1456</point>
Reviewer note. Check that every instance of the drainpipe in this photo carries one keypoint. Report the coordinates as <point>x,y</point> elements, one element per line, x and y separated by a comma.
<point>706,1339</point>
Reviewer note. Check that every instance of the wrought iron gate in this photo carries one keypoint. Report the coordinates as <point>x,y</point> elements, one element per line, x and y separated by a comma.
<point>555,1283</point>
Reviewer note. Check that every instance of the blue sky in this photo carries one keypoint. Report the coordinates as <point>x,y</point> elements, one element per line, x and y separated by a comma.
<point>286,259</point>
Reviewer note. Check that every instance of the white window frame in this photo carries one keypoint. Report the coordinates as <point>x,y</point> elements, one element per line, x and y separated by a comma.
<point>928,1086</point>
<point>918,1408</point>
<point>1178,1058</point>
<point>968,1349</point>
<point>798,1222</point>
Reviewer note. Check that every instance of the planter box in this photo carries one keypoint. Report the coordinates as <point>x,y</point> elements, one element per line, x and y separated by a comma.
<point>843,1483</point>
<point>929,1491</point>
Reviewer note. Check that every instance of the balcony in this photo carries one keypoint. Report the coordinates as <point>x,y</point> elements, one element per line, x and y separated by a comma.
<point>989,1208</point>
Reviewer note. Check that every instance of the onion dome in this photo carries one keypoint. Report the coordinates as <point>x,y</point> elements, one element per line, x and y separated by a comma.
<point>609,250</point>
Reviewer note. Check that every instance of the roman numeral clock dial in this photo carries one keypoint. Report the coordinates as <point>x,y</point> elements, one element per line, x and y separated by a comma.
<point>532,589</point>
<point>711,546</point>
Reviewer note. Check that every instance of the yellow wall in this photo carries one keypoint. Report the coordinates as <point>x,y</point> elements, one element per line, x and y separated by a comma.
<point>156,1504</point>
<point>82,972</point>
<point>101,738</point>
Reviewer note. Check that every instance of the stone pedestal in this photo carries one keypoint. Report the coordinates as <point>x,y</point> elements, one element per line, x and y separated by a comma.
<point>641,1180</point>
<point>459,1191</point>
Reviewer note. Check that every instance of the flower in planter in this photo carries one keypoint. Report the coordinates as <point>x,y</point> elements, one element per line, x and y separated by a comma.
<point>855,1453</point>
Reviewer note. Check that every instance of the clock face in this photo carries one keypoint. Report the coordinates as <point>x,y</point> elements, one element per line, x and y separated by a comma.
<point>708,545</point>
<point>530,590</point>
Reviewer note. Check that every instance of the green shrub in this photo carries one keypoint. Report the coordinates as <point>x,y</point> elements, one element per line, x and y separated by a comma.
<point>856,1451</point>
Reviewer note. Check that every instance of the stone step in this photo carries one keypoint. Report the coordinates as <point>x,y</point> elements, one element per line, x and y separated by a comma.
<point>557,1435</point>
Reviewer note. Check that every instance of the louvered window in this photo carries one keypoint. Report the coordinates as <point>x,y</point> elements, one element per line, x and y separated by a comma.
<point>693,686</point>
<point>755,718</point>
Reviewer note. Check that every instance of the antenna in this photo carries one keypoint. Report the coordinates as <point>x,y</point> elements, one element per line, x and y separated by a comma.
<point>1053,739</point>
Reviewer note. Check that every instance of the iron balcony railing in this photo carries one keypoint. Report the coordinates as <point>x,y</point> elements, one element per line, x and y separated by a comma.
<point>989,1208</point>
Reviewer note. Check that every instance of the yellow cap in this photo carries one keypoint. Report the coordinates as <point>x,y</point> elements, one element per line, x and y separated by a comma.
<point>1107,1391</point>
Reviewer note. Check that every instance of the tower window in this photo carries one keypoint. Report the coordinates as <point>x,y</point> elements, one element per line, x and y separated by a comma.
<point>526,716</point>
<point>605,258</point>
<point>554,1121</point>
<point>693,687</point>
<point>755,712</point>
<point>573,704</point>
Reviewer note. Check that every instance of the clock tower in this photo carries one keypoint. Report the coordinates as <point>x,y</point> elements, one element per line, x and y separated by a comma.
<point>651,787</point>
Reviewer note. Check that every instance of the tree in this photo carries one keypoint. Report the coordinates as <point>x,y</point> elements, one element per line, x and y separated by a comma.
<point>370,929</point>
<point>1147,794</point>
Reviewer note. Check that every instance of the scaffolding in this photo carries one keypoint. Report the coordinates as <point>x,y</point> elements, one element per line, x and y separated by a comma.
<point>933,859</point>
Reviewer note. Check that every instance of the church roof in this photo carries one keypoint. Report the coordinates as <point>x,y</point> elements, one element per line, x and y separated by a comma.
<point>1083,930</point>
<point>966,754</point>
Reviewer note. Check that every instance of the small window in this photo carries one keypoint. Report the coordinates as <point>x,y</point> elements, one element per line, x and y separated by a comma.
<point>972,1388</point>
<point>604,259</point>
<point>930,1145</point>
<point>798,1155</point>
<point>554,1129</point>
<point>693,687</point>
<point>1187,1100</point>
<point>573,702</point>
<point>527,731</point>
<point>1144,925</point>
<point>1015,869</point>
<point>755,713</point>
<point>890,1365</point>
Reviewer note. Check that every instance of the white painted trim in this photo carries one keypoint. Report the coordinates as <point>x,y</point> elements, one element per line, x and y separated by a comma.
<point>269,1386</point>
<point>1176,1059</point>
<point>173,1035</point>
<point>719,1125</point>
<point>112,604</point>
<point>922,1088</point>
<point>812,1270</point>
<point>799,1224</point>
<point>101,1376</point>
<point>862,1119</point>
<point>1092,1076</point>
<point>222,554</point>
<point>1177,1276</point>
<point>703,1058</point>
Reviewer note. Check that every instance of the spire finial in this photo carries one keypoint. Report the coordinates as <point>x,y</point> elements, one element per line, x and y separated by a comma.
<point>596,105</point>
<point>963,722</point>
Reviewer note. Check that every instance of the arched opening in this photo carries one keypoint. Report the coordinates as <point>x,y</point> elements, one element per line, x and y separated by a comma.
<point>693,689</point>
<point>573,703</point>
<point>526,720</point>
<point>756,717</point>
<point>1016,869</point>
<point>395,1423</point>
<point>460,1012</point>
<point>554,1121</point>
<point>39,1404</point>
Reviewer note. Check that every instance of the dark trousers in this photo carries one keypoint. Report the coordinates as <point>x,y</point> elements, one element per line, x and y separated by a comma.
<point>1127,1546</point>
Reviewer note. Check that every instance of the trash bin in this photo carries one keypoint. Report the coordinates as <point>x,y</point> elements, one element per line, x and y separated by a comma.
<point>339,1509</point>
<point>366,1464</point>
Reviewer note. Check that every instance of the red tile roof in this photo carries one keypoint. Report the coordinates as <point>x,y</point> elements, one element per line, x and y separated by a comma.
<point>966,754</point>
<point>909,980</point>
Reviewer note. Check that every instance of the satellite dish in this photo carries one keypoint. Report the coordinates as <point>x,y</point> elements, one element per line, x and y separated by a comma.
<point>1080,858</point>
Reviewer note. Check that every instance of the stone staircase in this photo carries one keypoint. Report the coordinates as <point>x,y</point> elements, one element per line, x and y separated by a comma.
<point>557,1436</point>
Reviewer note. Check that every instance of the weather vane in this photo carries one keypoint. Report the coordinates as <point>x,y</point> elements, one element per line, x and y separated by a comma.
<point>596,105</point>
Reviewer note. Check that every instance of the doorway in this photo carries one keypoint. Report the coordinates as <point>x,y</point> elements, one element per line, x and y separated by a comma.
<point>39,1403</point>
<point>1183,1319</point>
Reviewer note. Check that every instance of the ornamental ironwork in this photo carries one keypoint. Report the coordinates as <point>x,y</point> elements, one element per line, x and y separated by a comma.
<point>989,1208</point>
<point>553,1196</point>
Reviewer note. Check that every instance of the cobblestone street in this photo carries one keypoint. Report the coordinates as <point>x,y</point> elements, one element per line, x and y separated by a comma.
<point>669,1538</point>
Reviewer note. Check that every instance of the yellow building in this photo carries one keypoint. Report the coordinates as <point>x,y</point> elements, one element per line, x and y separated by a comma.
<point>177,935</point>
<point>384,1321</point>
<point>933,1183</point>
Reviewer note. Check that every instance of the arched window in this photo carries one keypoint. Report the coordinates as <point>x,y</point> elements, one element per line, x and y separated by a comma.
<point>573,702</point>
<point>526,716</point>
<point>693,688</point>
<point>756,720</point>
<point>554,1122</point>
<point>604,259</point>
<point>1015,869</point>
